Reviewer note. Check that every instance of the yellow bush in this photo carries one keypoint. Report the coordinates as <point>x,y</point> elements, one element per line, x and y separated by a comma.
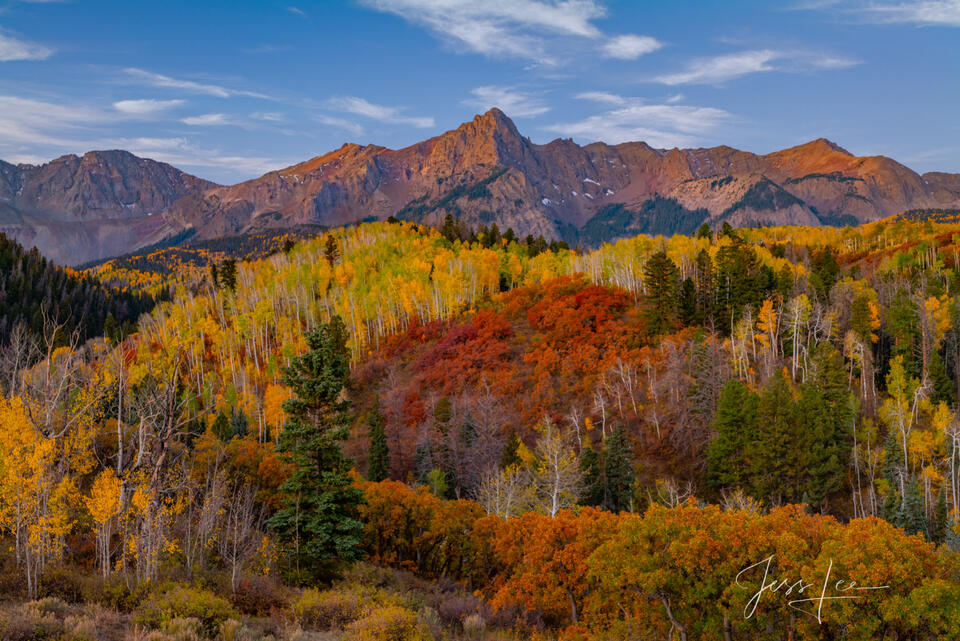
<point>389,623</point>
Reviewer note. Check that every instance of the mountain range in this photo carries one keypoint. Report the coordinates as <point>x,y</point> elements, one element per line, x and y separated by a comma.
<point>105,203</point>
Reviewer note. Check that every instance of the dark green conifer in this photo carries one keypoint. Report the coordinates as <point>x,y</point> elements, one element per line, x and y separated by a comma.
<point>318,527</point>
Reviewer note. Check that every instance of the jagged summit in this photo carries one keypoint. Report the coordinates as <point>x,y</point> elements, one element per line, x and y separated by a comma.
<point>483,171</point>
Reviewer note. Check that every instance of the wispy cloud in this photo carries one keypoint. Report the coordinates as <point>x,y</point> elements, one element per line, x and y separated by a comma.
<point>633,119</point>
<point>602,96</point>
<point>515,103</point>
<point>512,28</point>
<point>924,12</point>
<point>340,123</point>
<point>268,116</point>
<point>205,120</point>
<point>630,46</point>
<point>13,48</point>
<point>145,106</point>
<point>182,154</point>
<point>297,11</point>
<point>381,113</point>
<point>36,130</point>
<point>142,76</point>
<point>193,158</point>
<point>36,122</point>
<point>720,69</point>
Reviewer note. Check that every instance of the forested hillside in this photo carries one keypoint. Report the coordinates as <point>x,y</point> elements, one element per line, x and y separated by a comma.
<point>39,299</point>
<point>597,444</point>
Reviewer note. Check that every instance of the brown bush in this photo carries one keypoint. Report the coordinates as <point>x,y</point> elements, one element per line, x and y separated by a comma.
<point>13,587</point>
<point>114,593</point>
<point>61,582</point>
<point>29,622</point>
<point>328,609</point>
<point>454,607</point>
<point>260,596</point>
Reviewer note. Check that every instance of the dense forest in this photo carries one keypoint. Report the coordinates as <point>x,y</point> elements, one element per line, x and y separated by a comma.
<point>39,300</point>
<point>564,444</point>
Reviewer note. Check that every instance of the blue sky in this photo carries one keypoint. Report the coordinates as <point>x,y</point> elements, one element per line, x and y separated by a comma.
<point>229,90</point>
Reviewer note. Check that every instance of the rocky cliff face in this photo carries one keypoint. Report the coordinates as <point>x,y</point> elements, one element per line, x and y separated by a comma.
<point>77,208</point>
<point>484,171</point>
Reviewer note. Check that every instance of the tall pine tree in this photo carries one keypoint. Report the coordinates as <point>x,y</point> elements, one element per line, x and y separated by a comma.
<point>735,423</point>
<point>826,416</point>
<point>618,471</point>
<point>379,457</point>
<point>318,528</point>
<point>661,280</point>
<point>774,459</point>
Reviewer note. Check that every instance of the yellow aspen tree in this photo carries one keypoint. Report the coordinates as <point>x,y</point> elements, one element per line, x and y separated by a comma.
<point>104,505</point>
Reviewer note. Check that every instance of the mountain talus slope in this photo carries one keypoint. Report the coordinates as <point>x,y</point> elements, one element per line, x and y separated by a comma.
<point>486,171</point>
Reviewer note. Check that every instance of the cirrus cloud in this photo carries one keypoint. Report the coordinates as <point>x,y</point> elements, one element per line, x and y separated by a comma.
<point>633,119</point>
<point>13,48</point>
<point>149,78</point>
<point>381,113</point>
<point>517,104</point>
<point>204,120</point>
<point>145,106</point>
<point>513,28</point>
<point>719,69</point>
<point>631,47</point>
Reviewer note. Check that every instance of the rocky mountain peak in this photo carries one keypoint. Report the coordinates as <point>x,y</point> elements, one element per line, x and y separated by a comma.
<point>483,171</point>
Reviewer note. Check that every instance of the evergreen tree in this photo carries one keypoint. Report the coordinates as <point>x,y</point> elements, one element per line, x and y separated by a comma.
<point>741,280</point>
<point>902,322</point>
<point>467,433</point>
<point>423,461</point>
<point>493,238</point>
<point>228,274</point>
<point>238,423</point>
<point>861,317</point>
<point>892,468</point>
<point>826,417</point>
<point>910,515</point>
<point>593,481</point>
<point>510,454</point>
<point>704,231</point>
<point>221,427</point>
<point>941,519</point>
<point>735,423</point>
<point>331,250</point>
<point>661,282</point>
<point>775,458</point>
<point>449,229</point>
<point>688,302</point>
<point>379,463</point>
<point>704,271</point>
<point>618,471</point>
<point>944,390</point>
<point>318,528</point>
<point>824,270</point>
<point>891,506</point>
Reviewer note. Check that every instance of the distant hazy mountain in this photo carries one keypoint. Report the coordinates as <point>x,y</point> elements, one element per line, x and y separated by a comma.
<point>104,203</point>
